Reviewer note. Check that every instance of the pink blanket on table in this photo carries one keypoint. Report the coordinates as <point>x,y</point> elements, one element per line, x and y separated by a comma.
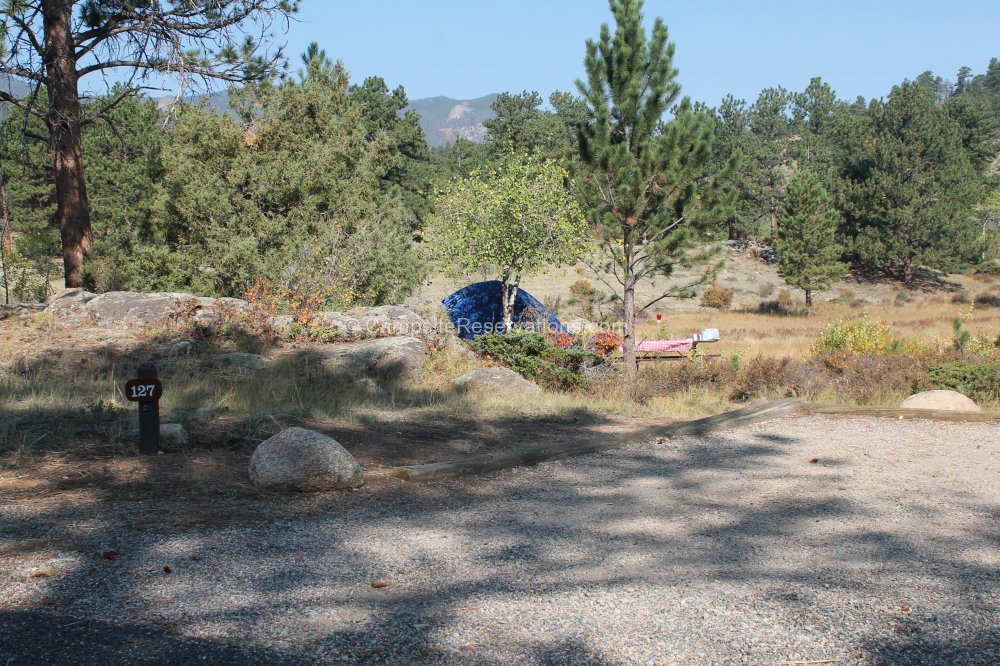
<point>665,346</point>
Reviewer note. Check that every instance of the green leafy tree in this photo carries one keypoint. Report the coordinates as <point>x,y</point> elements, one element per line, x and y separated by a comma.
<point>806,239</point>
<point>53,45</point>
<point>939,89</point>
<point>989,219</point>
<point>642,179</point>
<point>571,110</point>
<point>909,186</point>
<point>510,220</point>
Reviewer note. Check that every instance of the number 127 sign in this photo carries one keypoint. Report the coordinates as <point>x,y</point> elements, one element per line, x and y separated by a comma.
<point>143,390</point>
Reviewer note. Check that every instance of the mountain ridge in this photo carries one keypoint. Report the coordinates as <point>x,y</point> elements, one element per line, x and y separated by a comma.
<point>444,119</point>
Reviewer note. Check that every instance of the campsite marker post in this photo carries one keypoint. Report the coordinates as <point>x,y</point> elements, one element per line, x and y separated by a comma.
<point>146,389</point>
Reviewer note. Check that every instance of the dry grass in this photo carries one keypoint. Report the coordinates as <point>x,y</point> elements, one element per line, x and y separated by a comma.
<point>778,335</point>
<point>63,386</point>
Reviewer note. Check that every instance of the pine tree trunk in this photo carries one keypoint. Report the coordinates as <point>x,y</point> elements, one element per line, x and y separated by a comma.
<point>628,314</point>
<point>6,239</point>
<point>72,207</point>
<point>809,299</point>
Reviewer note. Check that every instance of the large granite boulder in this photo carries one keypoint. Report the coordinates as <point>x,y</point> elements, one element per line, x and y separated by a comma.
<point>347,326</point>
<point>387,358</point>
<point>70,304</point>
<point>303,460</point>
<point>947,400</point>
<point>127,309</point>
<point>392,320</point>
<point>496,380</point>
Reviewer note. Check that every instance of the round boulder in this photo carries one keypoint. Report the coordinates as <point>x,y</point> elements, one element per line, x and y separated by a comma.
<point>496,380</point>
<point>305,461</point>
<point>947,400</point>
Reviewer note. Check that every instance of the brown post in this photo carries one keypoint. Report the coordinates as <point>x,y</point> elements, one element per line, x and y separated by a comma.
<point>149,414</point>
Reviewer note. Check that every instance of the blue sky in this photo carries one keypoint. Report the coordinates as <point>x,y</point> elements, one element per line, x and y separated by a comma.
<point>472,48</point>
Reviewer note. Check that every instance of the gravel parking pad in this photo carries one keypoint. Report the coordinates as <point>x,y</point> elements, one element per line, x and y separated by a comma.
<point>806,539</point>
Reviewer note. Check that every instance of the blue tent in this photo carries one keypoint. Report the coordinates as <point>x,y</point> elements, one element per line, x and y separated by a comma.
<point>476,309</point>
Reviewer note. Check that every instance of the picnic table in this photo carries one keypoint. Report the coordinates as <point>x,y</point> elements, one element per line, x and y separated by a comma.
<point>673,350</point>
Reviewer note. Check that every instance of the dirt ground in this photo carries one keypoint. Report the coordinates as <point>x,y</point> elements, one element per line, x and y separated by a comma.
<point>198,486</point>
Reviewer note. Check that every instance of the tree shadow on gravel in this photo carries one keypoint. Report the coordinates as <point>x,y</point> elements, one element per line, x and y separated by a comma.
<point>638,524</point>
<point>32,637</point>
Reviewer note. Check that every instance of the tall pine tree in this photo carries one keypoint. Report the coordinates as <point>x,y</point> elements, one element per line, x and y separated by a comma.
<point>642,178</point>
<point>806,238</point>
<point>910,187</point>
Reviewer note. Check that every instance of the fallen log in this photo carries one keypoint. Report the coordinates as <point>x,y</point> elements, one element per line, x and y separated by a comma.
<point>902,413</point>
<point>559,450</point>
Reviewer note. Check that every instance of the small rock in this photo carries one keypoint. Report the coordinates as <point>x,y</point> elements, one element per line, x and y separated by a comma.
<point>946,400</point>
<point>496,379</point>
<point>173,434</point>
<point>304,460</point>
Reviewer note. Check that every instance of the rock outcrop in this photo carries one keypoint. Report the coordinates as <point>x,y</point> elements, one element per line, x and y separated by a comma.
<point>385,358</point>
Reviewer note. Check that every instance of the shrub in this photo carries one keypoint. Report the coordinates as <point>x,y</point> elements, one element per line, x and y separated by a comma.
<point>979,381</point>
<point>704,374</point>
<point>844,297</point>
<point>783,304</point>
<point>716,297</point>
<point>857,336</point>
<point>761,374</point>
<point>987,300</point>
<point>874,378</point>
<point>534,357</point>
<point>560,340</point>
<point>960,297</point>
<point>606,343</point>
<point>989,268</point>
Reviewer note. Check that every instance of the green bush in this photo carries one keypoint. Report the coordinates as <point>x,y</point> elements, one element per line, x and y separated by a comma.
<point>991,267</point>
<point>979,381</point>
<point>857,336</point>
<point>534,357</point>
